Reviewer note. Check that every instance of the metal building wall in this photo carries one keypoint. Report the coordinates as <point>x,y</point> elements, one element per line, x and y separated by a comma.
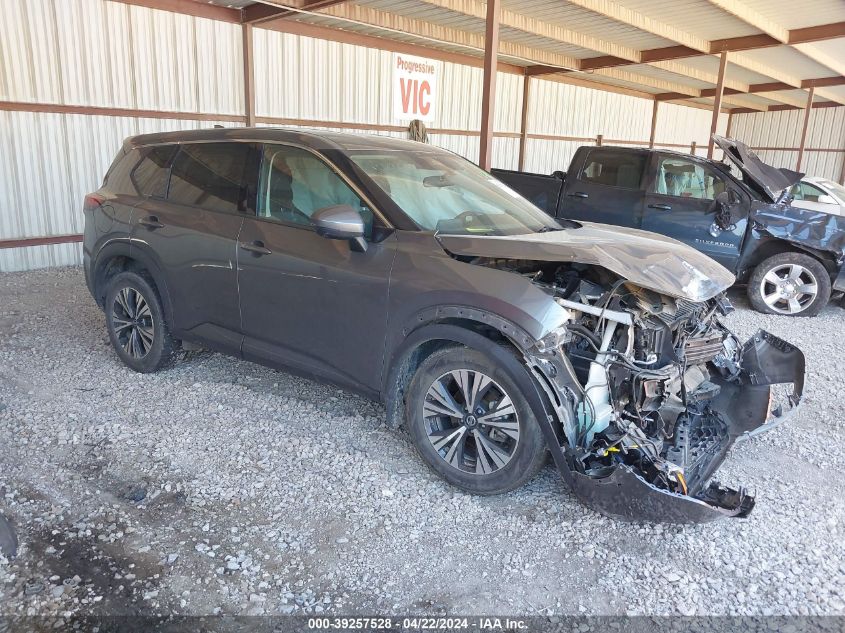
<point>161,61</point>
<point>104,54</point>
<point>562,110</point>
<point>343,83</point>
<point>775,136</point>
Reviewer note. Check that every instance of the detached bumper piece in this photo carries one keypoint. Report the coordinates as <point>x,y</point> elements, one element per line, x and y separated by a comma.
<point>738,412</point>
<point>627,496</point>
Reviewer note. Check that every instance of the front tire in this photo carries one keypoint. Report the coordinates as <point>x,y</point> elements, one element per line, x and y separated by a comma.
<point>791,284</point>
<point>471,424</point>
<point>135,321</point>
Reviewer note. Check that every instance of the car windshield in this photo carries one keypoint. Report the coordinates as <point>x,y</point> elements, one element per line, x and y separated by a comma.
<point>834,187</point>
<point>447,194</point>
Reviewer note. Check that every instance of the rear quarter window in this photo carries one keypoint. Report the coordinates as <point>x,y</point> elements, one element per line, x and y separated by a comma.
<point>117,179</point>
<point>141,172</point>
<point>150,174</point>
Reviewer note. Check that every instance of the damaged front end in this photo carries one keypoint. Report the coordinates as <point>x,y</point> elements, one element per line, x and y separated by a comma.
<point>650,393</point>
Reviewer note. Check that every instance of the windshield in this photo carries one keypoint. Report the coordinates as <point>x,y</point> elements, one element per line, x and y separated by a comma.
<point>835,188</point>
<point>447,194</point>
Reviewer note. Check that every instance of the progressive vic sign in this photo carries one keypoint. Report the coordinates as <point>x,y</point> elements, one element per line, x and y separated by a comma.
<point>414,87</point>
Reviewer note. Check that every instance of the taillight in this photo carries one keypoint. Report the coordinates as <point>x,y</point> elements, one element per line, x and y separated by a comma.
<point>92,201</point>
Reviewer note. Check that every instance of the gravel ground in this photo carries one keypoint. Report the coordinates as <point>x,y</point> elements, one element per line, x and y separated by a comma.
<point>219,486</point>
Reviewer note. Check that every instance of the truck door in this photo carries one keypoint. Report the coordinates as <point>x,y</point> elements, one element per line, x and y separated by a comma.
<point>679,203</point>
<point>605,187</point>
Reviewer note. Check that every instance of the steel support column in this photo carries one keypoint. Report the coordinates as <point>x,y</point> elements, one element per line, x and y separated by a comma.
<point>249,75</point>
<point>523,126</point>
<point>807,112</point>
<point>717,102</point>
<point>488,93</point>
<point>653,123</point>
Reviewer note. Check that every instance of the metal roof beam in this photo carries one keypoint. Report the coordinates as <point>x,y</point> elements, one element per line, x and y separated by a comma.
<point>533,26</point>
<point>615,56</point>
<point>447,35</point>
<point>798,39</point>
<point>817,33</point>
<point>613,11</point>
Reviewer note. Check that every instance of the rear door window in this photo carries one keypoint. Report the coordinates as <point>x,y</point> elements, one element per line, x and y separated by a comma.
<point>215,176</point>
<point>614,169</point>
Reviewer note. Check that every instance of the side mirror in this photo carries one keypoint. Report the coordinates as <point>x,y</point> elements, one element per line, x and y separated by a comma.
<point>724,199</point>
<point>723,219</point>
<point>826,199</point>
<point>338,222</point>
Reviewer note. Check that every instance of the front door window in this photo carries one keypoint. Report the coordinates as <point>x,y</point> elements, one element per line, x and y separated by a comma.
<point>295,183</point>
<point>686,179</point>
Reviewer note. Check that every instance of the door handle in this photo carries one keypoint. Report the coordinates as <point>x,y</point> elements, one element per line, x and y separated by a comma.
<point>151,222</point>
<point>578,194</point>
<point>257,247</point>
<point>662,207</point>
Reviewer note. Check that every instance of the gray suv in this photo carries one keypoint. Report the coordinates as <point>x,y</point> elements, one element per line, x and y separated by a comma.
<point>400,271</point>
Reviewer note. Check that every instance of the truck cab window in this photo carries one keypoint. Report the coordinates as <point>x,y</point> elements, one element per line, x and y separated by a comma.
<point>686,179</point>
<point>614,169</point>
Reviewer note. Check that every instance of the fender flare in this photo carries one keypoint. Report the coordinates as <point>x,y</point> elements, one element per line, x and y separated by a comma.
<point>145,259</point>
<point>432,324</point>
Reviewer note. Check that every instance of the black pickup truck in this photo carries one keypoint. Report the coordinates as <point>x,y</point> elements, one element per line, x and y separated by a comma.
<point>736,211</point>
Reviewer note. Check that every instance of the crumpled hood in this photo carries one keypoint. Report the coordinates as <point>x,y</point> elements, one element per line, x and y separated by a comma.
<point>652,261</point>
<point>773,181</point>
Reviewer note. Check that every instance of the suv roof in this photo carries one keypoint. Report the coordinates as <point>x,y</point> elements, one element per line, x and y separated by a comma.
<point>317,140</point>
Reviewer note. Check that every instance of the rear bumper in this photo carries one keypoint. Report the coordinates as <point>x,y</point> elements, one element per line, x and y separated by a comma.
<point>744,407</point>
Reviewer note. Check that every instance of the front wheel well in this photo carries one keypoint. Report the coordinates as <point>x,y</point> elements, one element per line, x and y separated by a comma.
<point>425,341</point>
<point>773,247</point>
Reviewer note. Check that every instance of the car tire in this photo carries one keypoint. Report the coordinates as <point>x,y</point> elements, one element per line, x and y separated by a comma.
<point>511,443</point>
<point>775,286</point>
<point>136,323</point>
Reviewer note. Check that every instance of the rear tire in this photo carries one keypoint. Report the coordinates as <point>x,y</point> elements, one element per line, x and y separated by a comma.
<point>135,321</point>
<point>449,434</point>
<point>791,284</point>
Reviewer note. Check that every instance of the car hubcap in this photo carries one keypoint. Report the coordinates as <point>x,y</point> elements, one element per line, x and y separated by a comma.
<point>133,322</point>
<point>471,422</point>
<point>789,289</point>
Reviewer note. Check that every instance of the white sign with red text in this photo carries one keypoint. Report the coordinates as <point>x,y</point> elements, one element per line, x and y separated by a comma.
<point>414,87</point>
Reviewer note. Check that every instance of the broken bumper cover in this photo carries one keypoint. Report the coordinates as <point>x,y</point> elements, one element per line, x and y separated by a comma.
<point>744,404</point>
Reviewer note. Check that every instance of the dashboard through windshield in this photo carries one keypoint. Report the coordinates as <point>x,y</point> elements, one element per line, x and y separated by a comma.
<point>445,193</point>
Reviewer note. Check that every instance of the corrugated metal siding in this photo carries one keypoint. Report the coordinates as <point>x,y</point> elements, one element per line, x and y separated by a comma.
<point>768,129</point>
<point>680,124</point>
<point>153,60</point>
<point>58,158</point>
<point>306,78</point>
<point>30,258</point>
<point>567,110</point>
<point>826,130</point>
<point>109,54</point>
<point>164,61</point>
